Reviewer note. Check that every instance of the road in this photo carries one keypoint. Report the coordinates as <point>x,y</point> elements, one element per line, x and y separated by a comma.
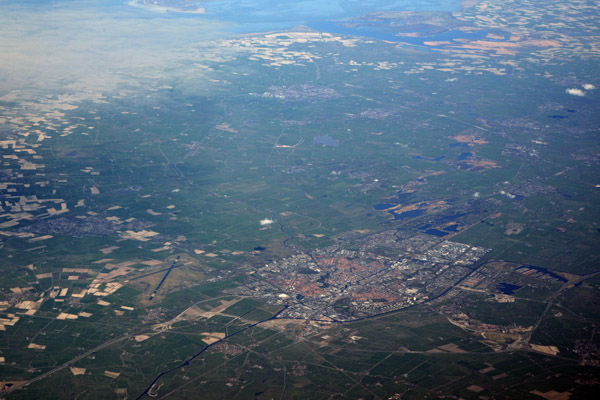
<point>67,364</point>
<point>192,358</point>
<point>164,278</point>
<point>523,343</point>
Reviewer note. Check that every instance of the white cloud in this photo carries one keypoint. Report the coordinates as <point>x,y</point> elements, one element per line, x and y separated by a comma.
<point>266,221</point>
<point>575,92</point>
<point>588,86</point>
<point>507,194</point>
<point>94,49</point>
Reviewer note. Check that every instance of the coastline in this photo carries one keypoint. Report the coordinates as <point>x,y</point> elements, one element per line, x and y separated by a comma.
<point>165,9</point>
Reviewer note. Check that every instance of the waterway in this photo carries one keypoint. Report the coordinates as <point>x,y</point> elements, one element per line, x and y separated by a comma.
<point>204,349</point>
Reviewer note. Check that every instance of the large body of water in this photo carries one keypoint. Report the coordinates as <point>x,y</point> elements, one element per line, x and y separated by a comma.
<point>96,46</point>
<point>261,15</point>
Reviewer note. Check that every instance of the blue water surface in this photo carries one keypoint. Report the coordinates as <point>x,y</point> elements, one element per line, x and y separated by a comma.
<point>262,15</point>
<point>327,141</point>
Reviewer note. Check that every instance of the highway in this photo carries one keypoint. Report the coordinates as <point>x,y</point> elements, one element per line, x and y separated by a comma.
<point>67,364</point>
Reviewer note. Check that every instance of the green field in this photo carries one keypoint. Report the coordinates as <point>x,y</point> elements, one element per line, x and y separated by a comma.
<point>147,226</point>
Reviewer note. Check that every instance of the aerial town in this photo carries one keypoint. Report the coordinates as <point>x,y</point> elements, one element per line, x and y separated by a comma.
<point>339,284</point>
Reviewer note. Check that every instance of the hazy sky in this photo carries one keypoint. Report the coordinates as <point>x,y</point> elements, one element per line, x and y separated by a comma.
<point>82,47</point>
<point>90,47</point>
